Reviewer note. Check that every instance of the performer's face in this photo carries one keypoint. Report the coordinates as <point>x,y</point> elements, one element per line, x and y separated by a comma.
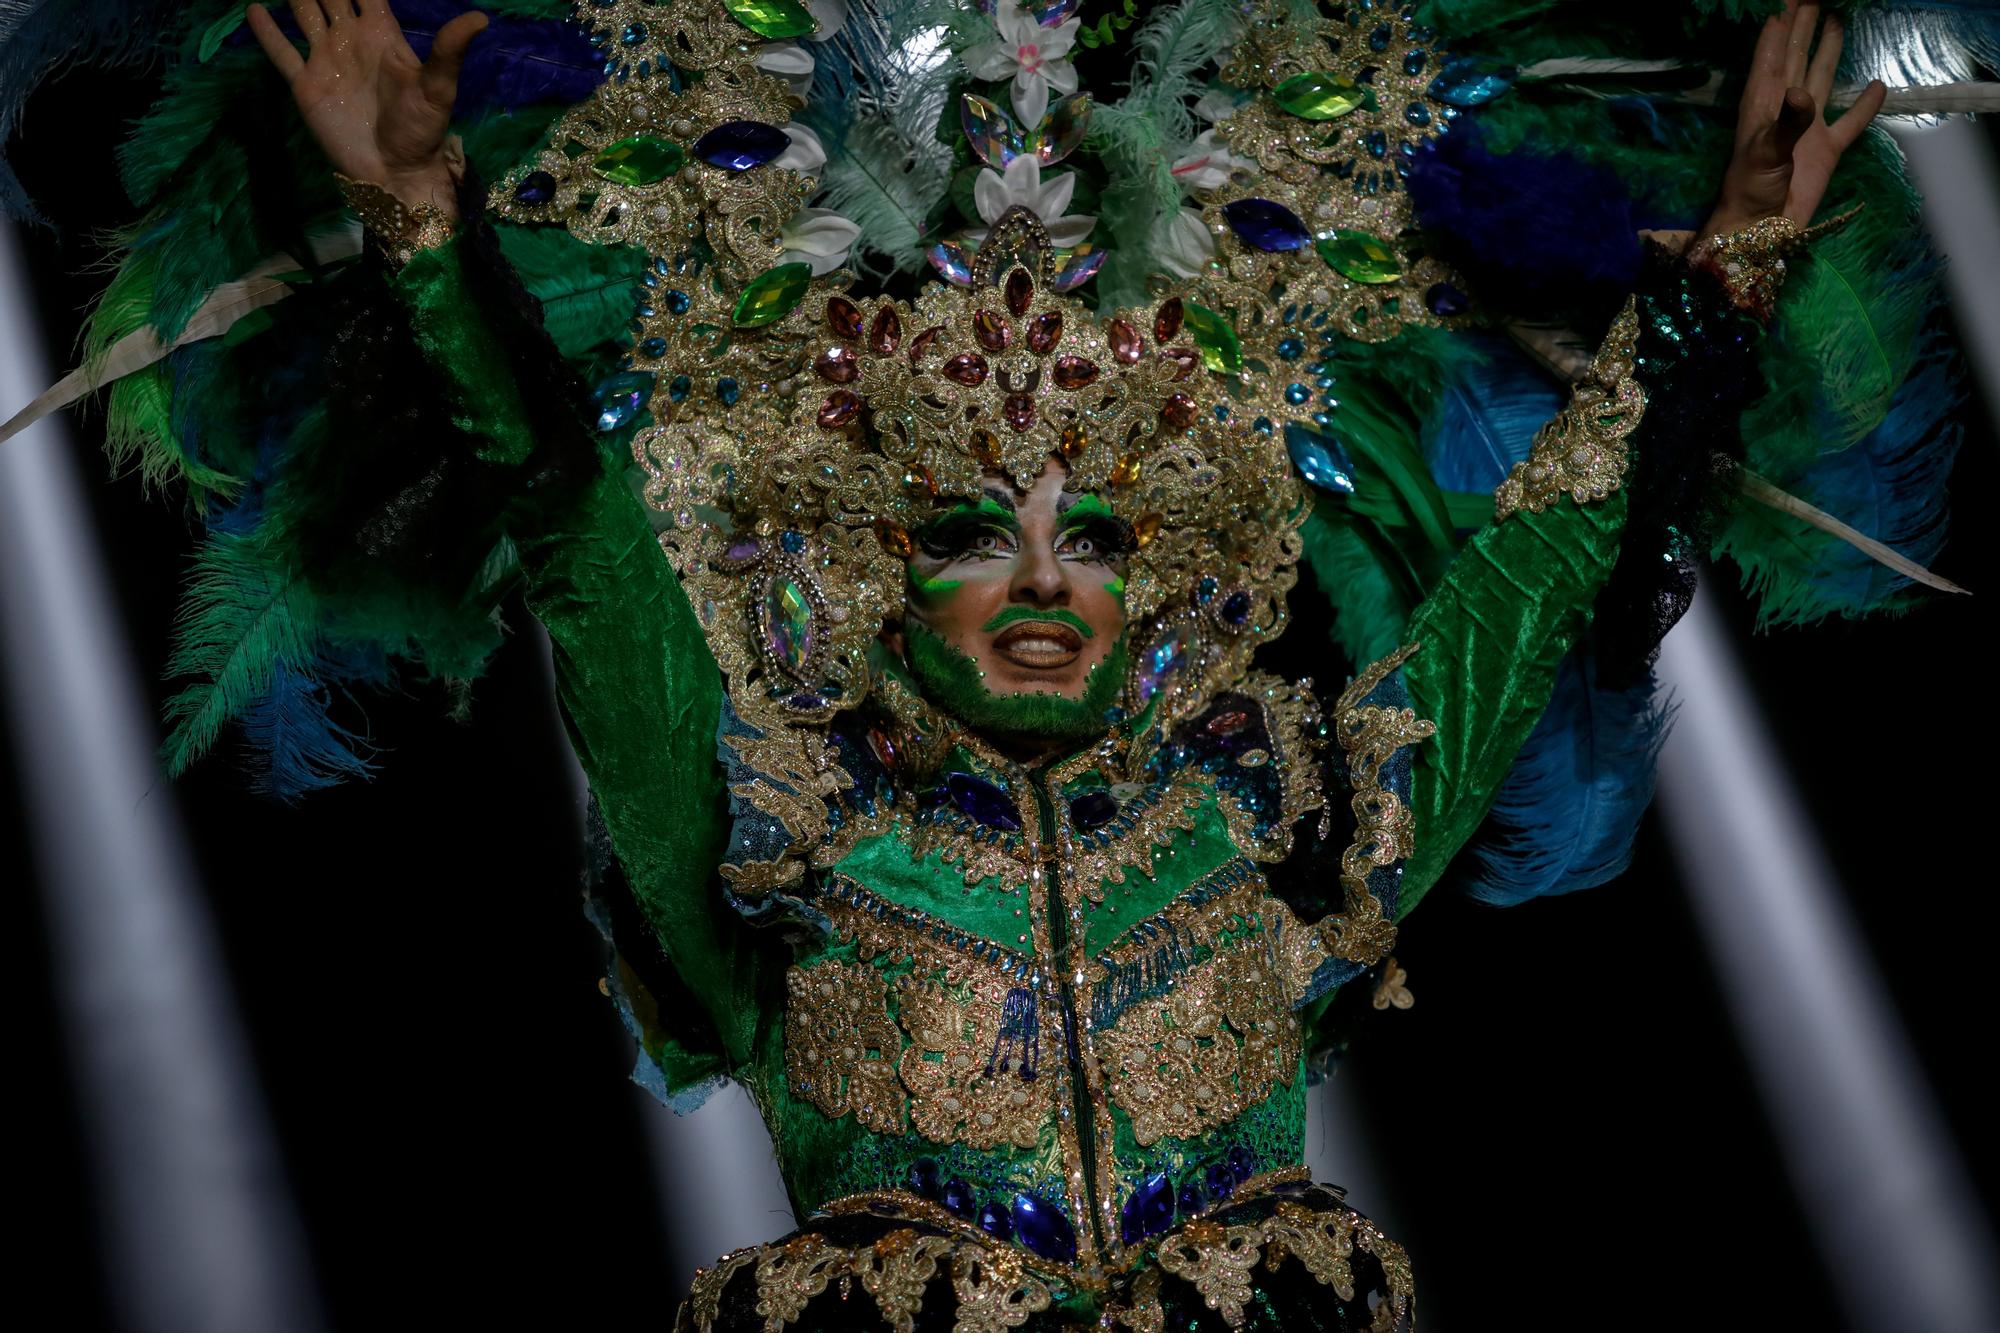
<point>1016,611</point>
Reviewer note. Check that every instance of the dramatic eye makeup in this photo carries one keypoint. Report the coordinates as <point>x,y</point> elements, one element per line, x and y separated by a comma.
<point>986,529</point>
<point>1090,531</point>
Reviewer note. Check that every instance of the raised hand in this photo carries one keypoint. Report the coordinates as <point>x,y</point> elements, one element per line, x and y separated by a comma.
<point>1785,148</point>
<point>380,114</point>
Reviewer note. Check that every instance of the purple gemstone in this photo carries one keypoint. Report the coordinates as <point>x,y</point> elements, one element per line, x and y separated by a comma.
<point>922,1178</point>
<point>742,550</point>
<point>958,1197</point>
<point>1080,268</point>
<point>1094,809</point>
<point>1236,609</point>
<point>1043,1229</point>
<point>806,701</point>
<point>996,1221</point>
<point>537,187</point>
<point>1264,224</point>
<point>1444,300</point>
<point>1150,1209</point>
<point>982,801</point>
<point>1221,1182</point>
<point>1160,661</point>
<point>738,145</point>
<point>1242,1163</point>
<point>1193,1200</point>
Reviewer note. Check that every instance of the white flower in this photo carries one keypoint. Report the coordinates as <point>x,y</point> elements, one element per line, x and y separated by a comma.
<point>1034,55</point>
<point>994,193</point>
<point>1186,245</point>
<point>832,17</point>
<point>788,61</point>
<point>1217,105</point>
<point>806,155</point>
<point>1207,164</point>
<point>820,237</point>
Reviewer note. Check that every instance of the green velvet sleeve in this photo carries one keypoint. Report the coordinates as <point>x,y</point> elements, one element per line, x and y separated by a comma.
<point>641,695</point>
<point>1490,637</point>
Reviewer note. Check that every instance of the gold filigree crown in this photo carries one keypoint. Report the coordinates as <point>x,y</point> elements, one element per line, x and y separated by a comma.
<point>790,522</point>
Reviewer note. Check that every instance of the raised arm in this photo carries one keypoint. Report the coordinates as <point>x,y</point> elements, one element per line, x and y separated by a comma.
<point>640,693</point>
<point>1660,402</point>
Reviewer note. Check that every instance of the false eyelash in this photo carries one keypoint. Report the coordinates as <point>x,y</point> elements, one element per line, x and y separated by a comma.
<point>1112,534</point>
<point>951,535</point>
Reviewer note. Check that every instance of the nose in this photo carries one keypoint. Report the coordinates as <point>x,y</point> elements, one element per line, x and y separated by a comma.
<point>1040,578</point>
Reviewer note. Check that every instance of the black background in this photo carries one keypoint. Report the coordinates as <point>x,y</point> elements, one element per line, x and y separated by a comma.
<point>1564,1122</point>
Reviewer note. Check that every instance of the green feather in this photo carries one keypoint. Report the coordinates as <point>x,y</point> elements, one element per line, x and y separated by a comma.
<point>1368,594</point>
<point>588,292</point>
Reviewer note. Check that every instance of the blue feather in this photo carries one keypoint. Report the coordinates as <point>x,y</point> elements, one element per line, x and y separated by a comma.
<point>295,744</point>
<point>1487,416</point>
<point>1566,816</point>
<point>1892,487</point>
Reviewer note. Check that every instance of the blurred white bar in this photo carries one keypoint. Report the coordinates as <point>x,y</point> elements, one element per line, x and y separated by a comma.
<point>1952,164</point>
<point>1878,1177</point>
<point>201,1234</point>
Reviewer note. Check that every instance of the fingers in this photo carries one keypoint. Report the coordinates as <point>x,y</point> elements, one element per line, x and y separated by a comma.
<point>440,74</point>
<point>277,47</point>
<point>310,20</point>
<point>1767,62</point>
<point>1856,118</point>
<point>1798,44</point>
<point>1795,117</point>
<point>1825,61</point>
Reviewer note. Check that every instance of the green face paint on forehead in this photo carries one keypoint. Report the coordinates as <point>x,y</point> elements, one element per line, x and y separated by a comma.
<point>1088,505</point>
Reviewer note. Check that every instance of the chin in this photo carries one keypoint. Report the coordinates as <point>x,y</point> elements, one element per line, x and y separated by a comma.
<point>1068,684</point>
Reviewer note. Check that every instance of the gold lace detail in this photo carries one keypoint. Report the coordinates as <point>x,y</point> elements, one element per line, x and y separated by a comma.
<point>841,1045</point>
<point>1582,451</point>
<point>1216,1259</point>
<point>966,1084</point>
<point>994,1291</point>
<point>895,1271</point>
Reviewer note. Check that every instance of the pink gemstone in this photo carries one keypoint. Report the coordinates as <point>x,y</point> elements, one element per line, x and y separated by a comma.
<point>1045,332</point>
<point>992,330</point>
<point>843,317</point>
<point>1126,344</point>
<point>841,406</point>
<point>967,368</point>
<point>1020,291</point>
<point>887,331</point>
<point>921,345</point>
<point>1179,411</point>
<point>1167,321</point>
<point>1073,372</point>
<point>838,365</point>
<point>1019,409</point>
<point>1184,358</point>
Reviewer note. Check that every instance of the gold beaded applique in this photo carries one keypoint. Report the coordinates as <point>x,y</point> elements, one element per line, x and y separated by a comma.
<point>841,1045</point>
<point>400,229</point>
<point>973,1068</point>
<point>1581,451</point>
<point>1217,1258</point>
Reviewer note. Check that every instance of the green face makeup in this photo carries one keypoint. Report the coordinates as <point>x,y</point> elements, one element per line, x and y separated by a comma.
<point>952,679</point>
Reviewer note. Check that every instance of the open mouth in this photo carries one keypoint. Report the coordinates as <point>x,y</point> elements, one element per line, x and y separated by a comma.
<point>1039,645</point>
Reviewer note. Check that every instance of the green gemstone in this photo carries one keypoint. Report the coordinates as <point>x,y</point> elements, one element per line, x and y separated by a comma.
<point>772,294</point>
<point>773,19</point>
<point>1359,257</point>
<point>1317,96</point>
<point>639,160</point>
<point>1215,337</point>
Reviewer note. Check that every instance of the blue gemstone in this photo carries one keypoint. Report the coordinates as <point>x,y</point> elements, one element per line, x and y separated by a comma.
<point>677,301</point>
<point>806,701</point>
<point>1094,809</point>
<point>1242,1163</point>
<point>653,347</point>
<point>621,398</point>
<point>1206,588</point>
<point>1131,1227</point>
<point>1445,300</point>
<point>1043,1229</point>
<point>1467,81</point>
<point>1320,460</point>
<point>1236,609</point>
<point>957,1198</point>
<point>792,540</point>
<point>1263,426</point>
<point>996,1221</point>
<point>1266,225</point>
<point>1417,113</point>
<point>1221,1182</point>
<point>679,387</point>
<point>738,145</point>
<point>1377,143</point>
<point>982,801</point>
<point>1413,63</point>
<point>950,260</point>
<point>1378,40</point>
<point>728,391</point>
<point>922,1178</point>
<point>1291,348</point>
<point>634,34</point>
<point>1193,1200</point>
<point>1296,394</point>
<point>1152,1205</point>
<point>537,187</point>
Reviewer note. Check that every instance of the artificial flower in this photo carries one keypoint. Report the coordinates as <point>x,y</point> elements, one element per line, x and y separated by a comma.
<point>806,155</point>
<point>993,193</point>
<point>1208,163</point>
<point>820,237</point>
<point>1035,56</point>
<point>1185,247</point>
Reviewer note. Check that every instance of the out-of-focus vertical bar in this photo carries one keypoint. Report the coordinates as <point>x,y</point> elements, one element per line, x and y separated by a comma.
<point>201,1233</point>
<point>1876,1172</point>
<point>1952,165</point>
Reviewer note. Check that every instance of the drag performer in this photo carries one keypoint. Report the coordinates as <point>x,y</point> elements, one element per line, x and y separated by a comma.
<point>909,555</point>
